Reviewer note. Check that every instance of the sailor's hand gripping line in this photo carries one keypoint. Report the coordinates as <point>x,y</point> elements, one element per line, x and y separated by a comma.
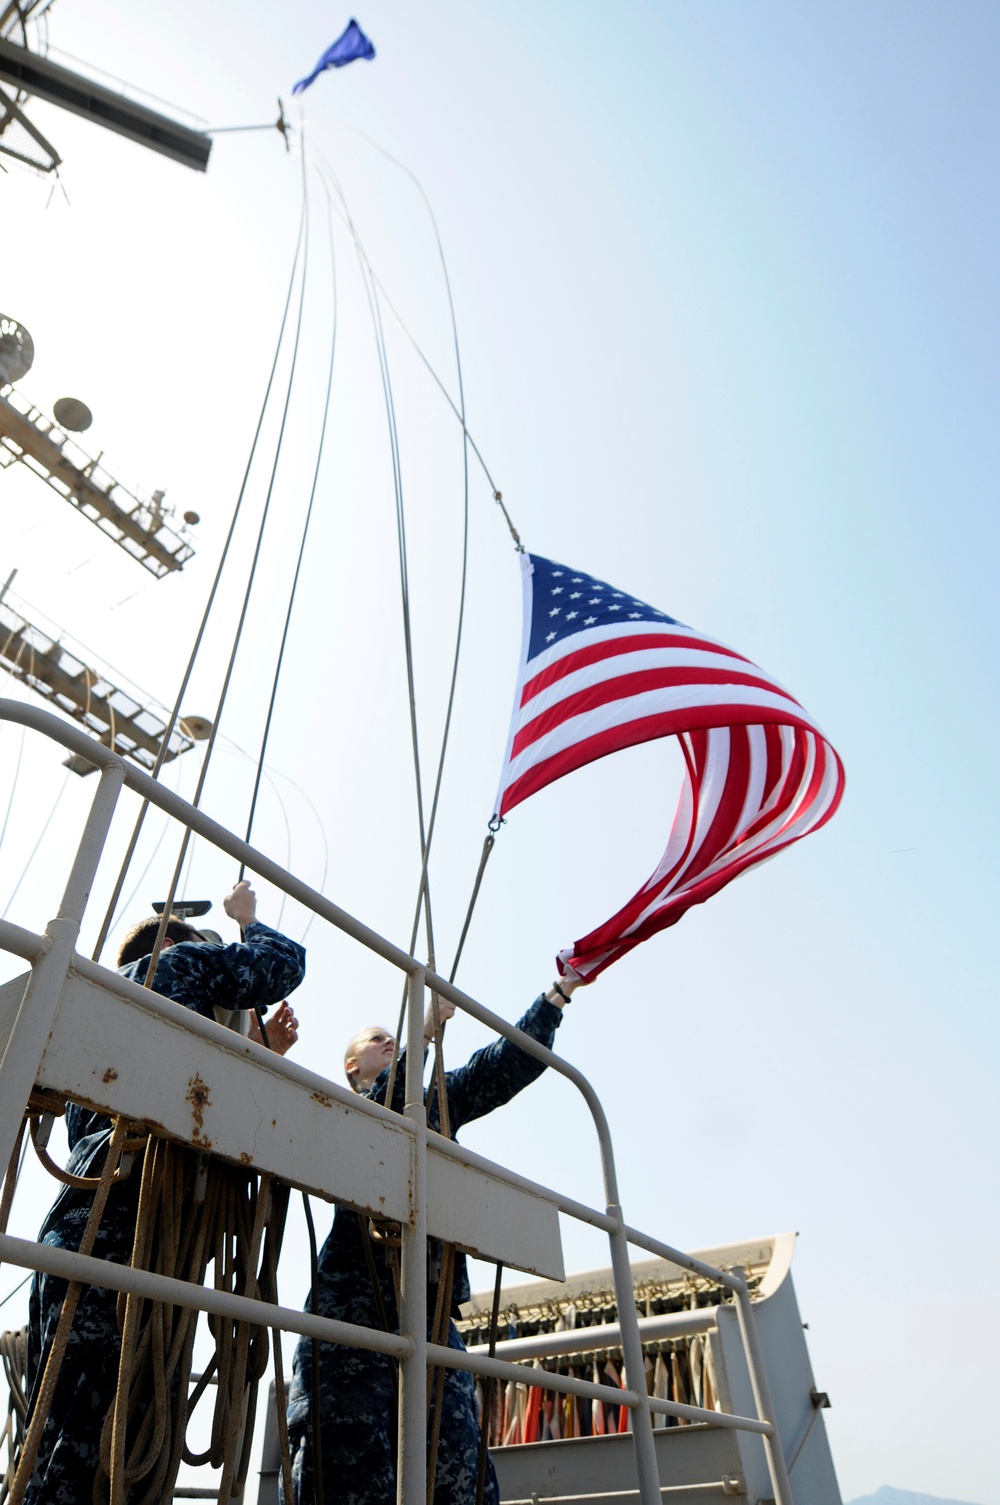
<point>601,670</point>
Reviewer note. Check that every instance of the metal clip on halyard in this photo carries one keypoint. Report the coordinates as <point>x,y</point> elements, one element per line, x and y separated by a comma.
<point>515,535</point>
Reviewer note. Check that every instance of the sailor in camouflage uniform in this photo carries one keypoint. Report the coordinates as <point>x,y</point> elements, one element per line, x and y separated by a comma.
<point>356,1388</point>
<point>201,976</point>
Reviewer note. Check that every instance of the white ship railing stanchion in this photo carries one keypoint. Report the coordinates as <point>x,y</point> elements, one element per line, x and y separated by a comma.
<point>628,1318</point>
<point>762,1392</point>
<point>411,1473</point>
<point>48,974</point>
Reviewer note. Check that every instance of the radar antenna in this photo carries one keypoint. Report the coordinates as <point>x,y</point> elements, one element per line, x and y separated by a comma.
<point>121,719</point>
<point>140,524</point>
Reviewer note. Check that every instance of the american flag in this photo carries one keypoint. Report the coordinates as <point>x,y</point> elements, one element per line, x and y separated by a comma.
<point>601,670</point>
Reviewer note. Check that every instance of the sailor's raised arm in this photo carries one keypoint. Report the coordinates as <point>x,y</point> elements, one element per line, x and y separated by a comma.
<point>264,967</point>
<point>241,904</point>
<point>254,973</point>
<point>495,1074</point>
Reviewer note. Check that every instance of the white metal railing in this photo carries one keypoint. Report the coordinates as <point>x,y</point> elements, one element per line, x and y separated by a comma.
<point>53,960</point>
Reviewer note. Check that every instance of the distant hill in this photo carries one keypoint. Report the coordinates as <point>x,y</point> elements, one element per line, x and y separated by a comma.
<point>888,1496</point>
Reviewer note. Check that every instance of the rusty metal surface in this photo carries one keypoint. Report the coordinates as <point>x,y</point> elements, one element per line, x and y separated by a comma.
<point>217,1091</point>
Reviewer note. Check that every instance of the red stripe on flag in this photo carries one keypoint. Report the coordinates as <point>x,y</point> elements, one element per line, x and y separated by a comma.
<point>775,756</point>
<point>730,807</point>
<point>580,658</point>
<point>608,937</point>
<point>630,734</point>
<point>624,687</point>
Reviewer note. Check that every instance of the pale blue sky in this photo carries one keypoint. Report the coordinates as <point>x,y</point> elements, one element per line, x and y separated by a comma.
<point>725,288</point>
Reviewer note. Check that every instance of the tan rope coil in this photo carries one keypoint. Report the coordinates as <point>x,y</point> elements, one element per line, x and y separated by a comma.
<point>193,1211</point>
<point>14,1355</point>
<point>53,1364</point>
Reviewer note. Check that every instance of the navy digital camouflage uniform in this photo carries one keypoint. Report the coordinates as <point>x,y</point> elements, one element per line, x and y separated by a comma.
<point>356,1390</point>
<point>259,972</point>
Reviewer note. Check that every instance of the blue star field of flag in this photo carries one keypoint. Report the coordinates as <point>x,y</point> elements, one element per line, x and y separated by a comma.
<point>565,601</point>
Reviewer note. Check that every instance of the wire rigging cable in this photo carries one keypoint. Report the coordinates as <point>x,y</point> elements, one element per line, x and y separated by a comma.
<point>270,775</point>
<point>126,903</point>
<point>372,288</point>
<point>41,838</point>
<point>439,1087</point>
<point>305,535</point>
<point>460,412</point>
<point>175,713</point>
<point>373,305</point>
<point>227,678</point>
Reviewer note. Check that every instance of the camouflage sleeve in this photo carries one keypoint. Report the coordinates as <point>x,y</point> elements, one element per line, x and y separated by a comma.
<point>495,1074</point>
<point>256,972</point>
<point>378,1089</point>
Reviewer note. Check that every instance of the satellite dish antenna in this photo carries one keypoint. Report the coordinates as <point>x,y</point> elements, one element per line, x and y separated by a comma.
<point>72,414</point>
<point>198,727</point>
<point>17,350</point>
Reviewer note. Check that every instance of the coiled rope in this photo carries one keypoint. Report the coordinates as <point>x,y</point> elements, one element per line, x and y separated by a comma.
<point>193,1211</point>
<point>14,1356</point>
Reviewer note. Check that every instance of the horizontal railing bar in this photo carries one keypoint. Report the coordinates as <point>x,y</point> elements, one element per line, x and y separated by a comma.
<point>68,1265</point>
<point>158,1003</point>
<point>712,1486</point>
<point>607,1335</point>
<point>164,799</point>
<point>541,1379</point>
<point>686,1261</point>
<point>728,1420</point>
<point>544,1379</point>
<point>20,942</point>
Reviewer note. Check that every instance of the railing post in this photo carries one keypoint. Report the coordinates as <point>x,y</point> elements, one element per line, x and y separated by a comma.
<point>411,1470</point>
<point>775,1453</point>
<point>628,1319</point>
<point>26,1045</point>
<point>635,1369</point>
